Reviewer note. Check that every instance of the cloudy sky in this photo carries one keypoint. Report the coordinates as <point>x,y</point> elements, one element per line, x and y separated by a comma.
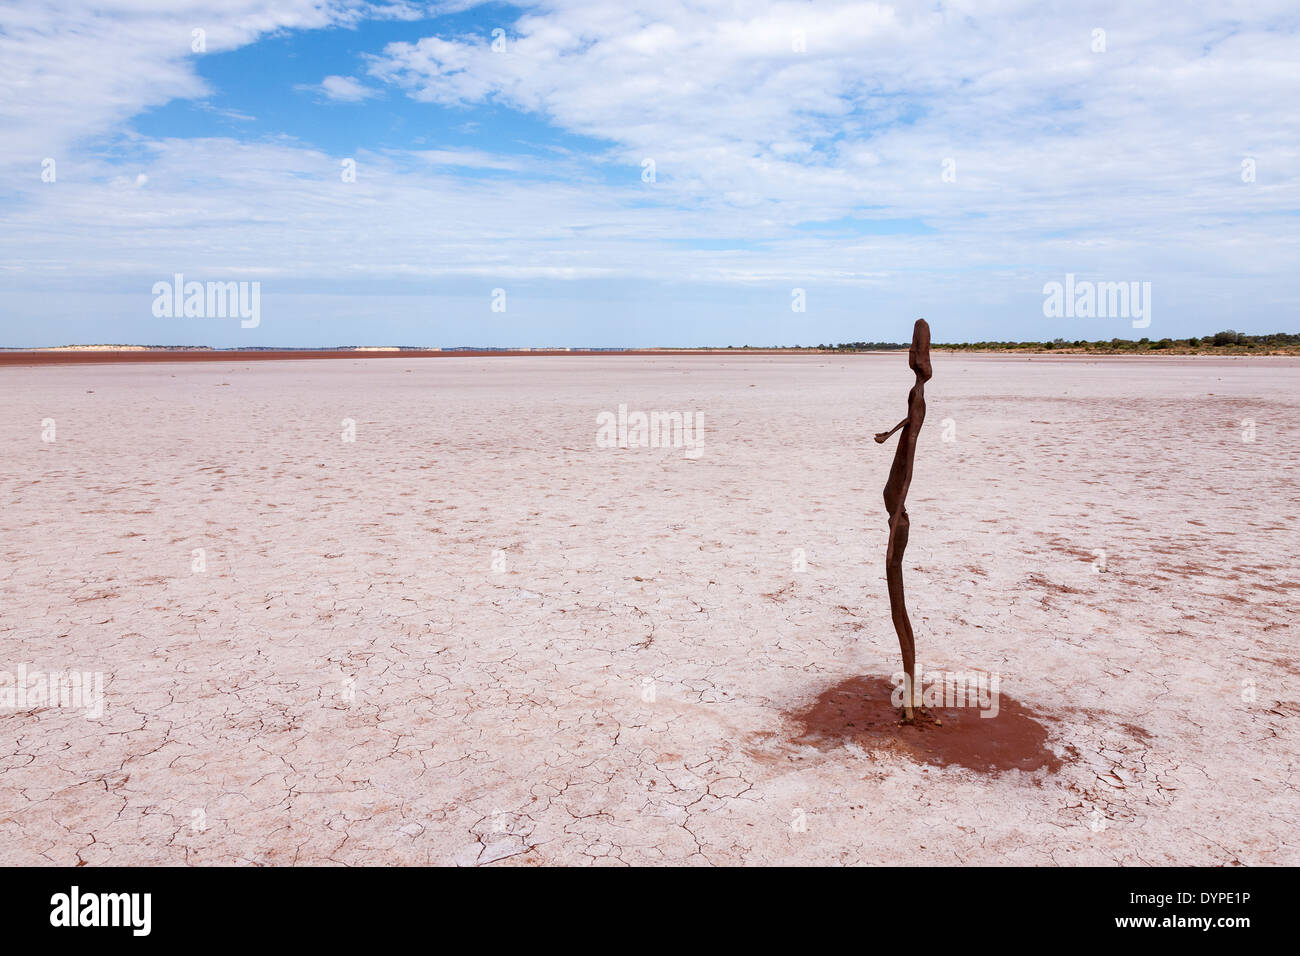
<point>645,174</point>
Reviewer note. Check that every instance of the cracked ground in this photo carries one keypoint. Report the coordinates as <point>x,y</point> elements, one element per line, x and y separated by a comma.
<point>473,637</point>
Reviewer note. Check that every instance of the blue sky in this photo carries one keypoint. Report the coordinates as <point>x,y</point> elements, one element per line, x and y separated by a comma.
<point>891,161</point>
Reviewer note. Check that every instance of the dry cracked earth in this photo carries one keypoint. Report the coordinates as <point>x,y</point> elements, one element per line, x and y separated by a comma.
<point>472,637</point>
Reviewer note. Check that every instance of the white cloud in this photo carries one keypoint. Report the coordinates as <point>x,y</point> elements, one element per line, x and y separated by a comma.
<point>74,70</point>
<point>343,89</point>
<point>467,159</point>
<point>1039,127</point>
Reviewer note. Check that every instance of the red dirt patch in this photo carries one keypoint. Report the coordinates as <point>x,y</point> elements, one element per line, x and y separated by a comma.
<point>859,710</point>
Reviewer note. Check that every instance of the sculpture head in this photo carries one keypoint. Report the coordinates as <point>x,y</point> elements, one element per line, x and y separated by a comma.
<point>918,356</point>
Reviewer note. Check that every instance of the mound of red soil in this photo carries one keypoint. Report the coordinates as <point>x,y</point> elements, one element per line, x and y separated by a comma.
<point>859,710</point>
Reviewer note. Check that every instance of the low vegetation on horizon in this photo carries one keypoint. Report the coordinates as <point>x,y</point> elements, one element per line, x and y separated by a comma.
<point>1227,341</point>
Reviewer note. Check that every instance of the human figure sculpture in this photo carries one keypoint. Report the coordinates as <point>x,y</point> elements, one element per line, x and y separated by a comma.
<point>900,478</point>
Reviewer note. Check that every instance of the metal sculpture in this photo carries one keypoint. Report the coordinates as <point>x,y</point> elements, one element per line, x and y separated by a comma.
<point>900,479</point>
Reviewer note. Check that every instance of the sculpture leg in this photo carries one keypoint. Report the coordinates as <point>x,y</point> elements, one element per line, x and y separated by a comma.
<point>894,579</point>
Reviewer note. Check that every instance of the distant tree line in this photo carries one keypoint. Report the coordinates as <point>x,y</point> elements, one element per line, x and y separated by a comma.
<point>1227,339</point>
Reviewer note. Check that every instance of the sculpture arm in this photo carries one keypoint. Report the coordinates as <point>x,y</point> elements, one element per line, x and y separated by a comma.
<point>881,437</point>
